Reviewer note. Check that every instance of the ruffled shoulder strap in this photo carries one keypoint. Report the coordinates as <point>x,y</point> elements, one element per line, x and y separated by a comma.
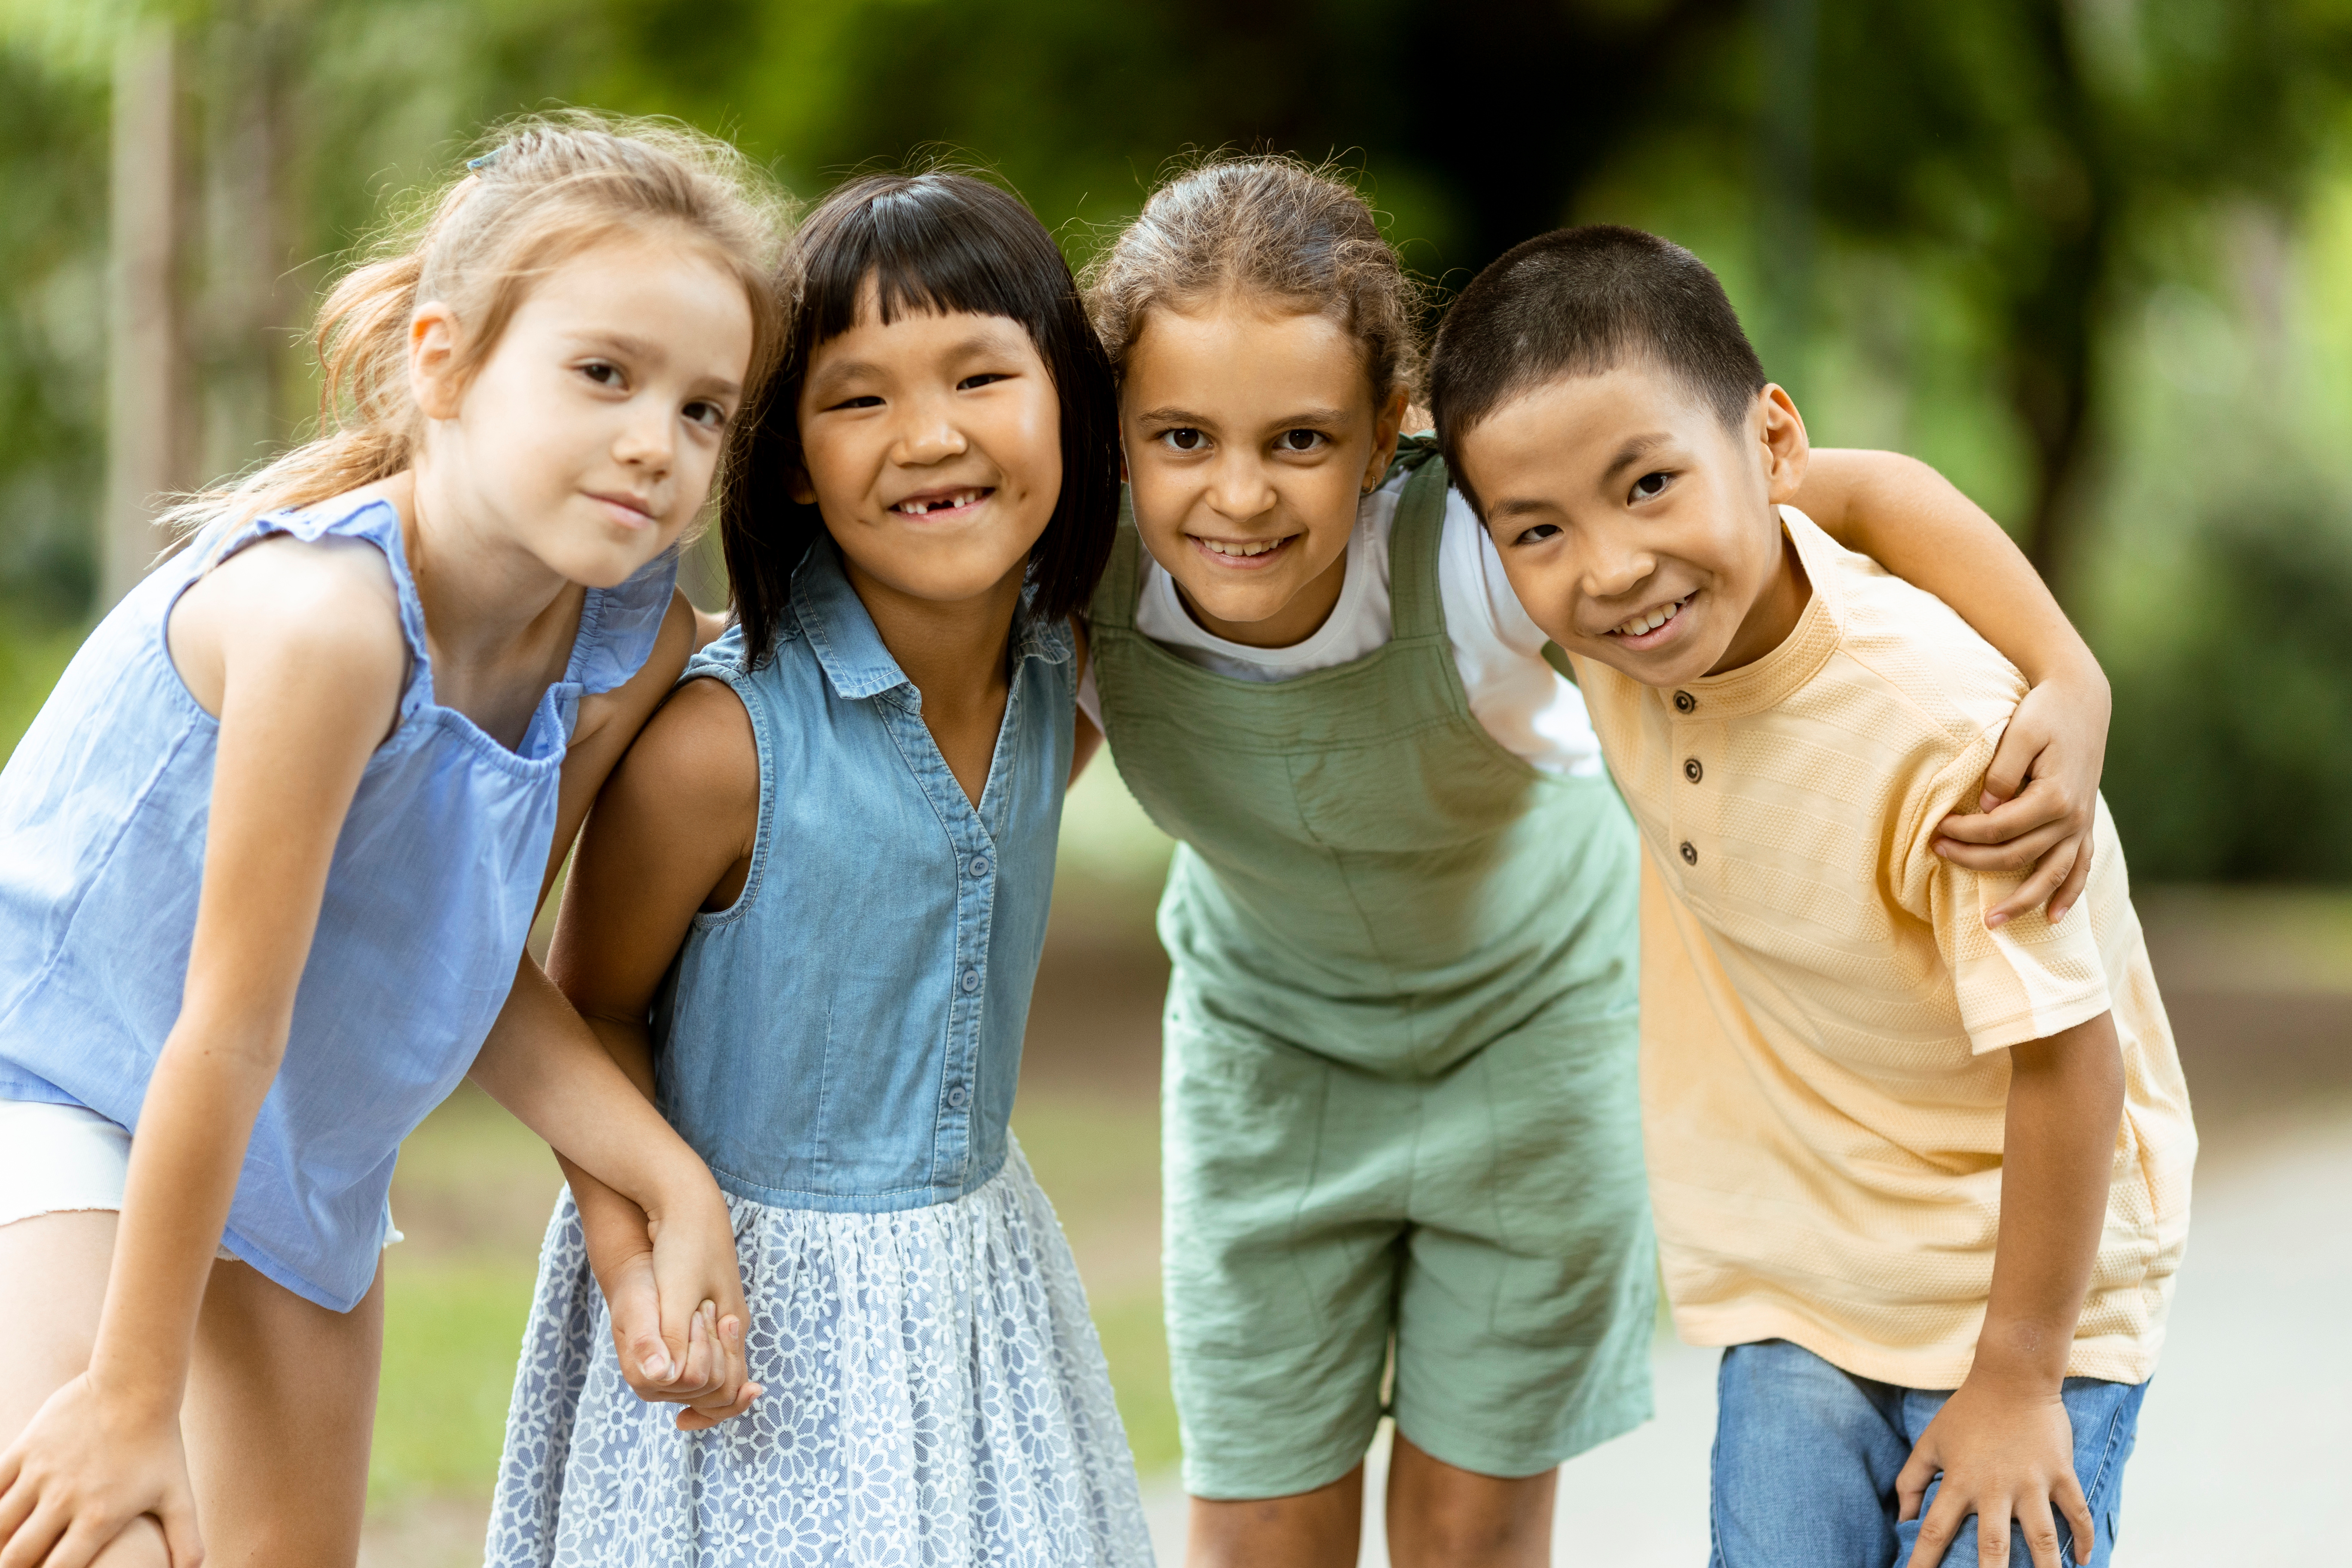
<point>376,520</point>
<point>618,625</point>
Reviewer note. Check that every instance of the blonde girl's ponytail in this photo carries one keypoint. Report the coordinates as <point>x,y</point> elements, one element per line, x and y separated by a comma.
<point>548,187</point>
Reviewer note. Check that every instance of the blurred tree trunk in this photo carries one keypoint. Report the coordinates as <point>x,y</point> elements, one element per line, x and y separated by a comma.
<point>145,371</point>
<point>1784,178</point>
<point>245,308</point>
<point>2051,313</point>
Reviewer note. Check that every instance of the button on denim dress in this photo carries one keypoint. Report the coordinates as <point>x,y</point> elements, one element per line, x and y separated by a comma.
<point>429,897</point>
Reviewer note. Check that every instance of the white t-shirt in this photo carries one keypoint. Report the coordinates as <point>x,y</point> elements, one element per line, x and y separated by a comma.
<point>1523,702</point>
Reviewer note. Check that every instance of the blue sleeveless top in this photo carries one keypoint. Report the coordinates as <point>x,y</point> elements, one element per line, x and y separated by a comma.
<point>847,1034</point>
<point>429,900</point>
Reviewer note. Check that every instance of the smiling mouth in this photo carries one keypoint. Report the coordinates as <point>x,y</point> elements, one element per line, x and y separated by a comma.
<point>1239,552</point>
<point>942,501</point>
<point>1642,627</point>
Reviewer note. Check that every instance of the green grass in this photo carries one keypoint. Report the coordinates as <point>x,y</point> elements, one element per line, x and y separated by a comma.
<point>1097,1157</point>
<point>450,1332</point>
<point>1135,1343</point>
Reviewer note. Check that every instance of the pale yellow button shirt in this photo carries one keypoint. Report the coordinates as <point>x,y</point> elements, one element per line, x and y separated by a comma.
<point>1825,1017</point>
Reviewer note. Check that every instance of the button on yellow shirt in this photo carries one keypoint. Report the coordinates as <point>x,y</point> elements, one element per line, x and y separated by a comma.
<point>1825,1018</point>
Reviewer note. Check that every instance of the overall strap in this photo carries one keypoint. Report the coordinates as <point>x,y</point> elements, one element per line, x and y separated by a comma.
<point>1415,607</point>
<point>1122,579</point>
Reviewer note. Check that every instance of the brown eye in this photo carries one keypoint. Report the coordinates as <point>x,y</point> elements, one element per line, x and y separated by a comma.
<point>1649,486</point>
<point>1299,440</point>
<point>1184,440</point>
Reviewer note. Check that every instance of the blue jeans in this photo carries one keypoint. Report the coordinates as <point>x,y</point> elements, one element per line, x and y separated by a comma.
<point>1806,1457</point>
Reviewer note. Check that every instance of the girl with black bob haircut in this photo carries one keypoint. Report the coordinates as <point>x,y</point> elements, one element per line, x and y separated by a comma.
<point>805,918</point>
<point>941,241</point>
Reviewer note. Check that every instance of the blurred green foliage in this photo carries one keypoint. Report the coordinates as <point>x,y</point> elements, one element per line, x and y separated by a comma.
<point>1979,231</point>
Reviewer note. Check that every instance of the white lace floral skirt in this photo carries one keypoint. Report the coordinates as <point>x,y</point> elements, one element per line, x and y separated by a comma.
<point>935,1395</point>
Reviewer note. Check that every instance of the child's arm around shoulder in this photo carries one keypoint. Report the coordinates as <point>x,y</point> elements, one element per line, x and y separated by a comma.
<point>2040,798</point>
<point>297,651</point>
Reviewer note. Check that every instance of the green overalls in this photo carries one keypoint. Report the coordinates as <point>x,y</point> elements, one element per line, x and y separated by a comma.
<point>1400,1094</point>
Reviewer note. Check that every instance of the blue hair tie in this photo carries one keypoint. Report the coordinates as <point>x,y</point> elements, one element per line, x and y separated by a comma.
<point>477,165</point>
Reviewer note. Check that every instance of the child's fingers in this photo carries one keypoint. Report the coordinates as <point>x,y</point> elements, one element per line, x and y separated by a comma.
<point>29,1543</point>
<point>2039,1524</point>
<point>1993,1536</point>
<point>2043,805</point>
<point>696,1376</point>
<point>634,1306</point>
<point>2012,760</point>
<point>650,1355</point>
<point>2013,859</point>
<point>1939,1528</point>
<point>16,1502</point>
<point>2038,888</point>
<point>2068,1495</point>
<point>739,1361</point>
<point>181,1536</point>
<point>698,1418</point>
<point>2078,876</point>
<point>81,1544</point>
<point>1911,1482</point>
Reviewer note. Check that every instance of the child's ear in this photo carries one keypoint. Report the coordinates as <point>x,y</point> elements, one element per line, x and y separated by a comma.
<point>1387,420</point>
<point>1786,451</point>
<point>432,342</point>
<point>798,485</point>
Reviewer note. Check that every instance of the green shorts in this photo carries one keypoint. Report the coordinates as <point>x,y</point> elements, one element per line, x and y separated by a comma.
<point>1491,1224</point>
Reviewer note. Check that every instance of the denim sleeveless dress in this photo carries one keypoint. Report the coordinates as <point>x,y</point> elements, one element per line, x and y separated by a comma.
<point>841,1044</point>
<point>429,899</point>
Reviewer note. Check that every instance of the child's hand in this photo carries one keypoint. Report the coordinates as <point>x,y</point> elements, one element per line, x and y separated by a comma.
<point>83,1469</point>
<point>698,1291</point>
<point>2004,1456</point>
<point>2040,799</point>
<point>707,1377</point>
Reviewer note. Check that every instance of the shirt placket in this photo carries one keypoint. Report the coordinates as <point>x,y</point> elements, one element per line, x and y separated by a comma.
<point>1688,736</point>
<point>974,850</point>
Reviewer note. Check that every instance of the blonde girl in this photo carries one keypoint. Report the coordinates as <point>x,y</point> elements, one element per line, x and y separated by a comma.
<point>270,853</point>
<point>1402,1160</point>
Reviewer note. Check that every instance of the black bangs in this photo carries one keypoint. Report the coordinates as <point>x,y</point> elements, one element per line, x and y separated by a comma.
<point>941,243</point>
<point>935,243</point>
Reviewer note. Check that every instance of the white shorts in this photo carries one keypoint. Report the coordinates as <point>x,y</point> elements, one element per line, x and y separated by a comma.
<point>58,1159</point>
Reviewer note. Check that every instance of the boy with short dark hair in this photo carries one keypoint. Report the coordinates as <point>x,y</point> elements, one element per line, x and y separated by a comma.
<point>1895,1150</point>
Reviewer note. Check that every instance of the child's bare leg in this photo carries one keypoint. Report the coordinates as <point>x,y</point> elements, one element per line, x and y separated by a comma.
<point>281,1406</point>
<point>1440,1516</point>
<point>1306,1529</point>
<point>53,1271</point>
<point>280,1402</point>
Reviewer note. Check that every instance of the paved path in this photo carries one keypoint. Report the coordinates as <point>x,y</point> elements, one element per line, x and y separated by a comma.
<point>2249,1417</point>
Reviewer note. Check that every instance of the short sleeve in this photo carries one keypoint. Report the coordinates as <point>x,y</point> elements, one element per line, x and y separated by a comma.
<point>1090,696</point>
<point>2025,980</point>
<point>1526,705</point>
